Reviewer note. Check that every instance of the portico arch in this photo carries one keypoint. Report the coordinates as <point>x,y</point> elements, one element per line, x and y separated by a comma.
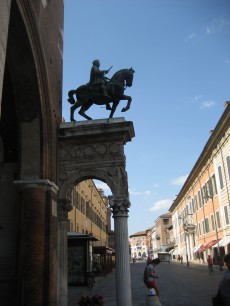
<point>95,150</point>
<point>118,183</point>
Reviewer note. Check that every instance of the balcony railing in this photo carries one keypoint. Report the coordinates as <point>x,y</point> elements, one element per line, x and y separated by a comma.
<point>189,228</point>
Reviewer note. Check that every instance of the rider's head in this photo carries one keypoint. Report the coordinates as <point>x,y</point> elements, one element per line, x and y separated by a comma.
<point>96,63</point>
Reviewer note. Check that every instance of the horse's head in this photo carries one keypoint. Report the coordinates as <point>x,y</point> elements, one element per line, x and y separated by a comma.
<point>129,77</point>
<point>123,77</point>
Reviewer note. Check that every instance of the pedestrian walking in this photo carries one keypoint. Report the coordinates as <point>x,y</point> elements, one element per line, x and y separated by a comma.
<point>210,265</point>
<point>181,259</point>
<point>152,297</point>
<point>151,276</point>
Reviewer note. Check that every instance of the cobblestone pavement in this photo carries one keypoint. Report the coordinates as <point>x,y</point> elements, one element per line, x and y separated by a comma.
<point>179,284</point>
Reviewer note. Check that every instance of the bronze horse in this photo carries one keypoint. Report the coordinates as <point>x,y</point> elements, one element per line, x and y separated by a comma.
<point>87,95</point>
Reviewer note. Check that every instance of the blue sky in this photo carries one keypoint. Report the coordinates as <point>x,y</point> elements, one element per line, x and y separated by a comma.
<point>180,51</point>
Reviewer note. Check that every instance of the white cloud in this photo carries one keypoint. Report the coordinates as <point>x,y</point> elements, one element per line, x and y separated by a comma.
<point>207,104</point>
<point>102,185</point>
<point>180,180</point>
<point>144,193</point>
<point>191,36</point>
<point>198,97</point>
<point>217,25</point>
<point>162,204</point>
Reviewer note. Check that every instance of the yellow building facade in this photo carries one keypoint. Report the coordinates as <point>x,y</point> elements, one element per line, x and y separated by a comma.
<point>200,212</point>
<point>89,213</point>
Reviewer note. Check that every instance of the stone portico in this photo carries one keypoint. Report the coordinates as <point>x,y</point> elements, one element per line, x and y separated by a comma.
<point>95,149</point>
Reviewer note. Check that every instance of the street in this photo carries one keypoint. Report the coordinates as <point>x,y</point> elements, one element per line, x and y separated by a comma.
<point>179,285</point>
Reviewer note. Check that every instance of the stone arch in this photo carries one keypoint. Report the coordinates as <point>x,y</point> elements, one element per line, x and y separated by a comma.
<point>117,183</point>
<point>29,89</point>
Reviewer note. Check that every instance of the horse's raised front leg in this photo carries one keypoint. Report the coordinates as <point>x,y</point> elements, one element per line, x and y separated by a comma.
<point>124,109</point>
<point>114,107</point>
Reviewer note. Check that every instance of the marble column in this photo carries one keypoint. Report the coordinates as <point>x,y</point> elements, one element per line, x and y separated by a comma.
<point>64,206</point>
<point>120,207</point>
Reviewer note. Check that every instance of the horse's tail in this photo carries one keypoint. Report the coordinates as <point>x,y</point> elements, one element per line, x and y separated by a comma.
<point>81,93</point>
<point>70,95</point>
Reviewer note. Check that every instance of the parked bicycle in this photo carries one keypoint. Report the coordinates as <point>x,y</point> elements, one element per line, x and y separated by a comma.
<point>90,279</point>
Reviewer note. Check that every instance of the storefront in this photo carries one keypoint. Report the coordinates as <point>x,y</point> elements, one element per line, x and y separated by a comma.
<point>103,260</point>
<point>221,248</point>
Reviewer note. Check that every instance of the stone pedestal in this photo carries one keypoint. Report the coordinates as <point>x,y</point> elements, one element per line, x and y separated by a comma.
<point>94,149</point>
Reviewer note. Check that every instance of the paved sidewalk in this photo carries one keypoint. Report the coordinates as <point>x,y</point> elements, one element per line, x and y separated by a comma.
<point>104,286</point>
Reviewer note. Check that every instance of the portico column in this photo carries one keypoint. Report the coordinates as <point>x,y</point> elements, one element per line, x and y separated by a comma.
<point>37,263</point>
<point>120,207</point>
<point>64,206</point>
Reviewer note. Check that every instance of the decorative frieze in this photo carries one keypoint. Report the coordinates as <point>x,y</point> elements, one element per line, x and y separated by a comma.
<point>70,151</point>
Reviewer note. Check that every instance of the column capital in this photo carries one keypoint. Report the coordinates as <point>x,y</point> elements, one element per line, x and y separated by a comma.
<point>119,205</point>
<point>64,206</point>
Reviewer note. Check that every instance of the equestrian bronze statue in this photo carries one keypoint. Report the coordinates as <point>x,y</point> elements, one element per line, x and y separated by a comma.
<point>101,91</point>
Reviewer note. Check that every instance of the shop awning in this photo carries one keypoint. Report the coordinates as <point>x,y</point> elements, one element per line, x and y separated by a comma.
<point>194,250</point>
<point>207,246</point>
<point>223,242</point>
<point>102,250</point>
<point>201,249</point>
<point>75,235</point>
<point>211,243</point>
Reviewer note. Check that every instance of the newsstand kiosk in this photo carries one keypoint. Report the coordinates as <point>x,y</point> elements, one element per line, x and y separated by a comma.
<point>80,257</point>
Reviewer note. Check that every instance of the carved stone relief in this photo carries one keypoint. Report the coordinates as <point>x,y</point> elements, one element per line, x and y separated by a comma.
<point>70,151</point>
<point>94,151</point>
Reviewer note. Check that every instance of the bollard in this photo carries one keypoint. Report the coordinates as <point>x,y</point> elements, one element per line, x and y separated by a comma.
<point>152,299</point>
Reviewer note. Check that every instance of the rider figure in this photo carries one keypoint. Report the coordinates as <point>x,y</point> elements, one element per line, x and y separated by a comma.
<point>97,78</point>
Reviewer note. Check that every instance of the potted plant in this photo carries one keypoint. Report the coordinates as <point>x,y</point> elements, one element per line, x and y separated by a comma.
<point>96,300</point>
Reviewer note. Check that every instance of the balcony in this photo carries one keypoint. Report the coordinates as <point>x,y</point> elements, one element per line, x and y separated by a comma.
<point>189,228</point>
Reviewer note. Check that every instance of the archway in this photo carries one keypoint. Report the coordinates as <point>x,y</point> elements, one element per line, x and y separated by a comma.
<point>95,150</point>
